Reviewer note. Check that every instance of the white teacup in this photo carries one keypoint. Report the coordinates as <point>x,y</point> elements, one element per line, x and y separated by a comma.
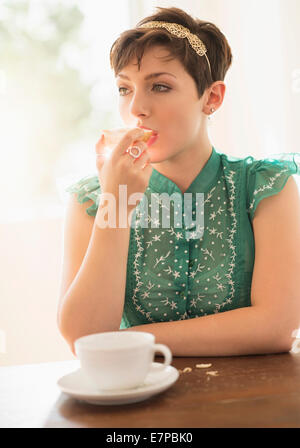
<point>119,359</point>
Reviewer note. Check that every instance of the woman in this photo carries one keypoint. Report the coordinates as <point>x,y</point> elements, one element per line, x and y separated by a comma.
<point>225,285</point>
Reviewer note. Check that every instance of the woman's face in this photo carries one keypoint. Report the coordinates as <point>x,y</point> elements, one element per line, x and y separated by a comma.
<point>165,103</point>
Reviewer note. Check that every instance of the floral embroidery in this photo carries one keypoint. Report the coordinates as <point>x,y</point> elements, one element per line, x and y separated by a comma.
<point>268,186</point>
<point>166,272</point>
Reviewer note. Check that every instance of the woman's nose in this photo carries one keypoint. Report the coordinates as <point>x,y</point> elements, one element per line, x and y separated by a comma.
<point>139,105</point>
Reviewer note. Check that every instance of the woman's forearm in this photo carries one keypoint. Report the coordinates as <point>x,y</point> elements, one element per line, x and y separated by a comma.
<point>94,302</point>
<point>243,331</point>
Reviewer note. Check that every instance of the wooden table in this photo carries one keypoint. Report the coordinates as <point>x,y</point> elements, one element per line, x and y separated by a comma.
<point>250,391</point>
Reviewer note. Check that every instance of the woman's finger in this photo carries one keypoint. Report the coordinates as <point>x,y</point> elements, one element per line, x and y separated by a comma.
<point>100,160</point>
<point>100,144</point>
<point>129,138</point>
<point>142,160</point>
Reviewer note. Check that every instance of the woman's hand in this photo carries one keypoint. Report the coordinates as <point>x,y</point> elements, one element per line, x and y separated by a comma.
<point>120,168</point>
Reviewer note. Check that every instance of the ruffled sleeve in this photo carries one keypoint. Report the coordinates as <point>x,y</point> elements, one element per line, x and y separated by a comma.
<point>87,189</point>
<point>268,177</point>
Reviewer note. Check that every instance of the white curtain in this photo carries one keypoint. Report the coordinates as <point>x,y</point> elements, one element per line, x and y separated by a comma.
<point>260,113</point>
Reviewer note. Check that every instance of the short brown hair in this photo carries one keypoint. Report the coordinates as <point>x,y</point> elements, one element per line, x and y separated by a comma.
<point>133,43</point>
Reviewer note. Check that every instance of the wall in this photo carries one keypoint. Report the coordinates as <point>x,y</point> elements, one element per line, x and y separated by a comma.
<point>30,269</point>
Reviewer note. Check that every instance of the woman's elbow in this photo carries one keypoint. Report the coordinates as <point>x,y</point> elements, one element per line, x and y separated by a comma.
<point>286,341</point>
<point>67,335</point>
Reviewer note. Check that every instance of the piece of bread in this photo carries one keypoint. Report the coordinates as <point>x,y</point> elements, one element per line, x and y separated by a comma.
<point>113,136</point>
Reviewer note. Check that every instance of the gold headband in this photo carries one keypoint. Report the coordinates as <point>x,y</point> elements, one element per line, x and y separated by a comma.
<point>181,32</point>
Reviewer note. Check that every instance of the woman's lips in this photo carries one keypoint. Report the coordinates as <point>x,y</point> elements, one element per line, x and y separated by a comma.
<point>152,140</point>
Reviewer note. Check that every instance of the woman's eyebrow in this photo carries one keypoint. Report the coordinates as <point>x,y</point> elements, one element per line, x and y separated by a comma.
<point>151,76</point>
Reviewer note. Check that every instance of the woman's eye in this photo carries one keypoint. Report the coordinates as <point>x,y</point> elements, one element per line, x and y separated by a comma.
<point>161,85</point>
<point>156,87</point>
<point>121,89</point>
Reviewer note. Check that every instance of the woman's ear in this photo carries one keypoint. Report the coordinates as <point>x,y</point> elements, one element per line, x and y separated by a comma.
<point>215,97</point>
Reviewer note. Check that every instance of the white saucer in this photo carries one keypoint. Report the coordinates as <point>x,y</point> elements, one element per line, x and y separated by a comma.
<point>78,386</point>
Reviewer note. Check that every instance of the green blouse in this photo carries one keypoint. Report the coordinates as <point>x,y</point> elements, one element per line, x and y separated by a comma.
<point>190,270</point>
